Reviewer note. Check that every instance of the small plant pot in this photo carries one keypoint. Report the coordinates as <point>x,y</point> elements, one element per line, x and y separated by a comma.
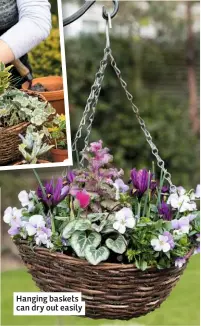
<point>54,93</point>
<point>38,162</point>
<point>59,155</point>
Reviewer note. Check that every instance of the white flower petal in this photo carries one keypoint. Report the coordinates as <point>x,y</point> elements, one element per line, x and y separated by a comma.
<point>130,222</point>
<point>31,230</point>
<point>166,247</point>
<point>122,229</point>
<point>23,198</point>
<point>8,215</point>
<point>37,220</point>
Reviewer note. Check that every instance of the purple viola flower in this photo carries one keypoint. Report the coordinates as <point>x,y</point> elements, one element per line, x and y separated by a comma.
<point>170,239</point>
<point>140,180</point>
<point>179,262</point>
<point>196,251</point>
<point>120,187</point>
<point>181,226</point>
<point>54,193</point>
<point>164,211</point>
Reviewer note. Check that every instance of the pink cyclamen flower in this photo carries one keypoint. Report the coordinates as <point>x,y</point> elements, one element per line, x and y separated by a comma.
<point>96,146</point>
<point>83,198</point>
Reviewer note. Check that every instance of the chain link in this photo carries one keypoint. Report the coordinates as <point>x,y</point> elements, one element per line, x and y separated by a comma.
<point>90,108</point>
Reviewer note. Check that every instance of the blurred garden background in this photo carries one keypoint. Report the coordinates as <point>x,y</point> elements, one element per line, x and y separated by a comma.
<point>156,46</point>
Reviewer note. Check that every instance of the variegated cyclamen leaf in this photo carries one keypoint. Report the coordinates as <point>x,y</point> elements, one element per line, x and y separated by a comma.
<point>99,228</point>
<point>93,217</point>
<point>82,225</point>
<point>69,229</point>
<point>118,245</point>
<point>76,225</point>
<point>95,256</point>
<point>79,241</point>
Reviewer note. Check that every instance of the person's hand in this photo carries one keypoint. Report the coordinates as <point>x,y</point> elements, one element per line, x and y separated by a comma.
<point>6,54</point>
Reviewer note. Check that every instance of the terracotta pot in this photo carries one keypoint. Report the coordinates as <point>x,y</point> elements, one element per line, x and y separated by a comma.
<point>59,155</point>
<point>55,93</point>
<point>38,162</point>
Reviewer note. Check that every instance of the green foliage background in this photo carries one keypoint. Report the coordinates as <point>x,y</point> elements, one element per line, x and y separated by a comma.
<point>156,75</point>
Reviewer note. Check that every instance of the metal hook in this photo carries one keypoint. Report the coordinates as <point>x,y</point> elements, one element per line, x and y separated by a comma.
<point>113,14</point>
<point>85,7</point>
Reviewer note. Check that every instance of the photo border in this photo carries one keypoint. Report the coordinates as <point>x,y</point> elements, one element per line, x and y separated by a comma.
<point>69,161</point>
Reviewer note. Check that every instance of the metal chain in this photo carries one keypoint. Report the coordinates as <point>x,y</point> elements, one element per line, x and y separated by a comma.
<point>90,108</point>
<point>160,162</point>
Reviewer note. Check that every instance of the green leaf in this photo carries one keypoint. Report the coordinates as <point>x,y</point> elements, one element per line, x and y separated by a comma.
<point>69,229</point>
<point>95,256</point>
<point>96,216</point>
<point>79,224</point>
<point>61,218</point>
<point>118,245</point>
<point>79,241</point>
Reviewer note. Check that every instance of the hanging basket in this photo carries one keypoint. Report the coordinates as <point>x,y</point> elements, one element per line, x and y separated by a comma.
<point>10,140</point>
<point>111,291</point>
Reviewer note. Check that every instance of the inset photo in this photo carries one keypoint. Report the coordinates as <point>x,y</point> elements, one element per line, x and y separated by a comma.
<point>34,114</point>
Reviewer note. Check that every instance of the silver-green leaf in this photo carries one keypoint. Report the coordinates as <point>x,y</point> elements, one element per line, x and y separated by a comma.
<point>79,241</point>
<point>118,245</point>
<point>95,256</point>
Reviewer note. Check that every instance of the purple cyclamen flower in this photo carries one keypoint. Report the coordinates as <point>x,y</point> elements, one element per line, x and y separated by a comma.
<point>165,211</point>
<point>165,189</point>
<point>179,262</point>
<point>140,180</point>
<point>54,194</point>
<point>70,177</point>
<point>170,239</point>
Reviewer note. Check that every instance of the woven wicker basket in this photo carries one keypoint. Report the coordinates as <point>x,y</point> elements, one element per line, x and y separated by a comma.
<point>9,139</point>
<point>111,291</point>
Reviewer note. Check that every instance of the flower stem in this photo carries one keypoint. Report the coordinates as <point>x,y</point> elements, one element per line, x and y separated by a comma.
<point>162,178</point>
<point>147,195</point>
<point>40,182</point>
<point>138,209</point>
<point>52,221</point>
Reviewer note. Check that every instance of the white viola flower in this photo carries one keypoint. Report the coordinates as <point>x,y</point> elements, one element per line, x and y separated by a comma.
<point>120,187</point>
<point>36,222</point>
<point>32,193</point>
<point>43,237</point>
<point>179,262</point>
<point>181,191</point>
<point>161,244</point>
<point>183,203</point>
<point>124,219</point>
<point>26,200</point>
<point>12,214</point>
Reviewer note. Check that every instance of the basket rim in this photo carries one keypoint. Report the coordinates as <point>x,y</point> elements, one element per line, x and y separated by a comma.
<point>102,266</point>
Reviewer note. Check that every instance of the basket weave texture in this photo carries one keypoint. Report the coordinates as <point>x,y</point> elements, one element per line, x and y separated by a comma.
<point>9,139</point>
<point>111,291</point>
